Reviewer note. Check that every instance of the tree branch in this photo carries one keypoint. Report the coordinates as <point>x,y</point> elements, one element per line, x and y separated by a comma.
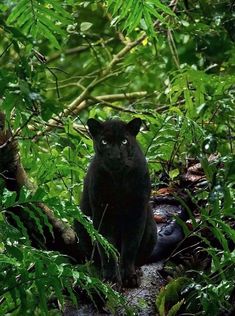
<point>80,104</point>
<point>78,49</point>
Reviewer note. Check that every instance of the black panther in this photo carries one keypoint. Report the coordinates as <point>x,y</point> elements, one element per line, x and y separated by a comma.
<point>116,196</point>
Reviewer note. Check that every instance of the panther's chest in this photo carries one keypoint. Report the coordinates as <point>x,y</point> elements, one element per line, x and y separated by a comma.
<point>116,192</point>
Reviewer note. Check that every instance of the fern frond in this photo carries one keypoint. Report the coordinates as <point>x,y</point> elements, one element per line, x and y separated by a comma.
<point>131,14</point>
<point>41,18</point>
<point>26,273</point>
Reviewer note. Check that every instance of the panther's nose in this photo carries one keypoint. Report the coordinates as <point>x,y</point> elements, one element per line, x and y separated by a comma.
<point>115,154</point>
<point>115,157</point>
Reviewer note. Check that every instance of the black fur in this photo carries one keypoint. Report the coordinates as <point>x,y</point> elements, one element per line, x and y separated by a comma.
<point>116,195</point>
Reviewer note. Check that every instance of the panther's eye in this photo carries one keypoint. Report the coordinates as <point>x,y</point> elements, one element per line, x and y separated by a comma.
<point>124,141</point>
<point>104,142</point>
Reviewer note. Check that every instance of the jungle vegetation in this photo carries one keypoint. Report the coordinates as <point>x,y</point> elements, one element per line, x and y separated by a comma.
<point>170,63</point>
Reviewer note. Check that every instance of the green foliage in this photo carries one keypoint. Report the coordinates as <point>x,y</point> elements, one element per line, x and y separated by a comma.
<point>209,291</point>
<point>168,301</point>
<point>54,54</point>
<point>35,281</point>
<point>138,13</point>
<point>217,284</point>
<point>40,18</point>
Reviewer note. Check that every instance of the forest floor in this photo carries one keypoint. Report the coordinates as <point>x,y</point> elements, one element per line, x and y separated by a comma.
<point>142,298</point>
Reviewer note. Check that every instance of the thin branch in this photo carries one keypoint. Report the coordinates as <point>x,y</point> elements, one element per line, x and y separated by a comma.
<point>78,49</point>
<point>173,48</point>
<point>17,132</point>
<point>115,107</point>
<point>6,49</point>
<point>71,84</point>
<point>122,96</point>
<point>106,100</point>
<point>56,82</point>
<point>119,56</point>
<point>82,103</point>
<point>173,5</point>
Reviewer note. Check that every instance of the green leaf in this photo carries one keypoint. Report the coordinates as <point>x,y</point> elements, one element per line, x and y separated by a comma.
<point>35,219</point>
<point>63,13</point>
<point>58,288</point>
<point>24,17</point>
<point>175,308</point>
<point>154,13</point>
<point>85,26</point>
<point>207,168</point>
<point>41,288</point>
<point>117,6</point>
<point>149,22</point>
<point>48,34</point>
<point>125,8</point>
<point>52,26</point>
<point>18,10</point>
<point>7,260</point>
<point>174,173</point>
<point>9,199</point>
<point>21,226</point>
<point>44,218</point>
<point>163,7</point>
<point>170,294</point>
<point>188,102</point>
<point>15,252</point>
<point>133,19</point>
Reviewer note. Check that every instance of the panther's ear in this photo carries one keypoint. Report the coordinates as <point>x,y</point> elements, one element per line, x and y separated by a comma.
<point>134,126</point>
<point>94,127</point>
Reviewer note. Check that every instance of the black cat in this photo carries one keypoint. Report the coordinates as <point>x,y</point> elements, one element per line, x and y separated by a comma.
<point>116,195</point>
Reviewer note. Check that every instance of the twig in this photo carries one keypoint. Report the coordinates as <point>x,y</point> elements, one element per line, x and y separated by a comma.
<point>118,57</point>
<point>173,5</point>
<point>173,48</point>
<point>78,49</point>
<point>56,81</point>
<point>115,107</point>
<point>6,49</point>
<point>4,177</point>
<point>17,132</point>
<point>98,229</point>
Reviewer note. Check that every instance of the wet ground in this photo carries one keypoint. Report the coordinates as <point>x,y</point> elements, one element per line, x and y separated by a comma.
<point>143,297</point>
